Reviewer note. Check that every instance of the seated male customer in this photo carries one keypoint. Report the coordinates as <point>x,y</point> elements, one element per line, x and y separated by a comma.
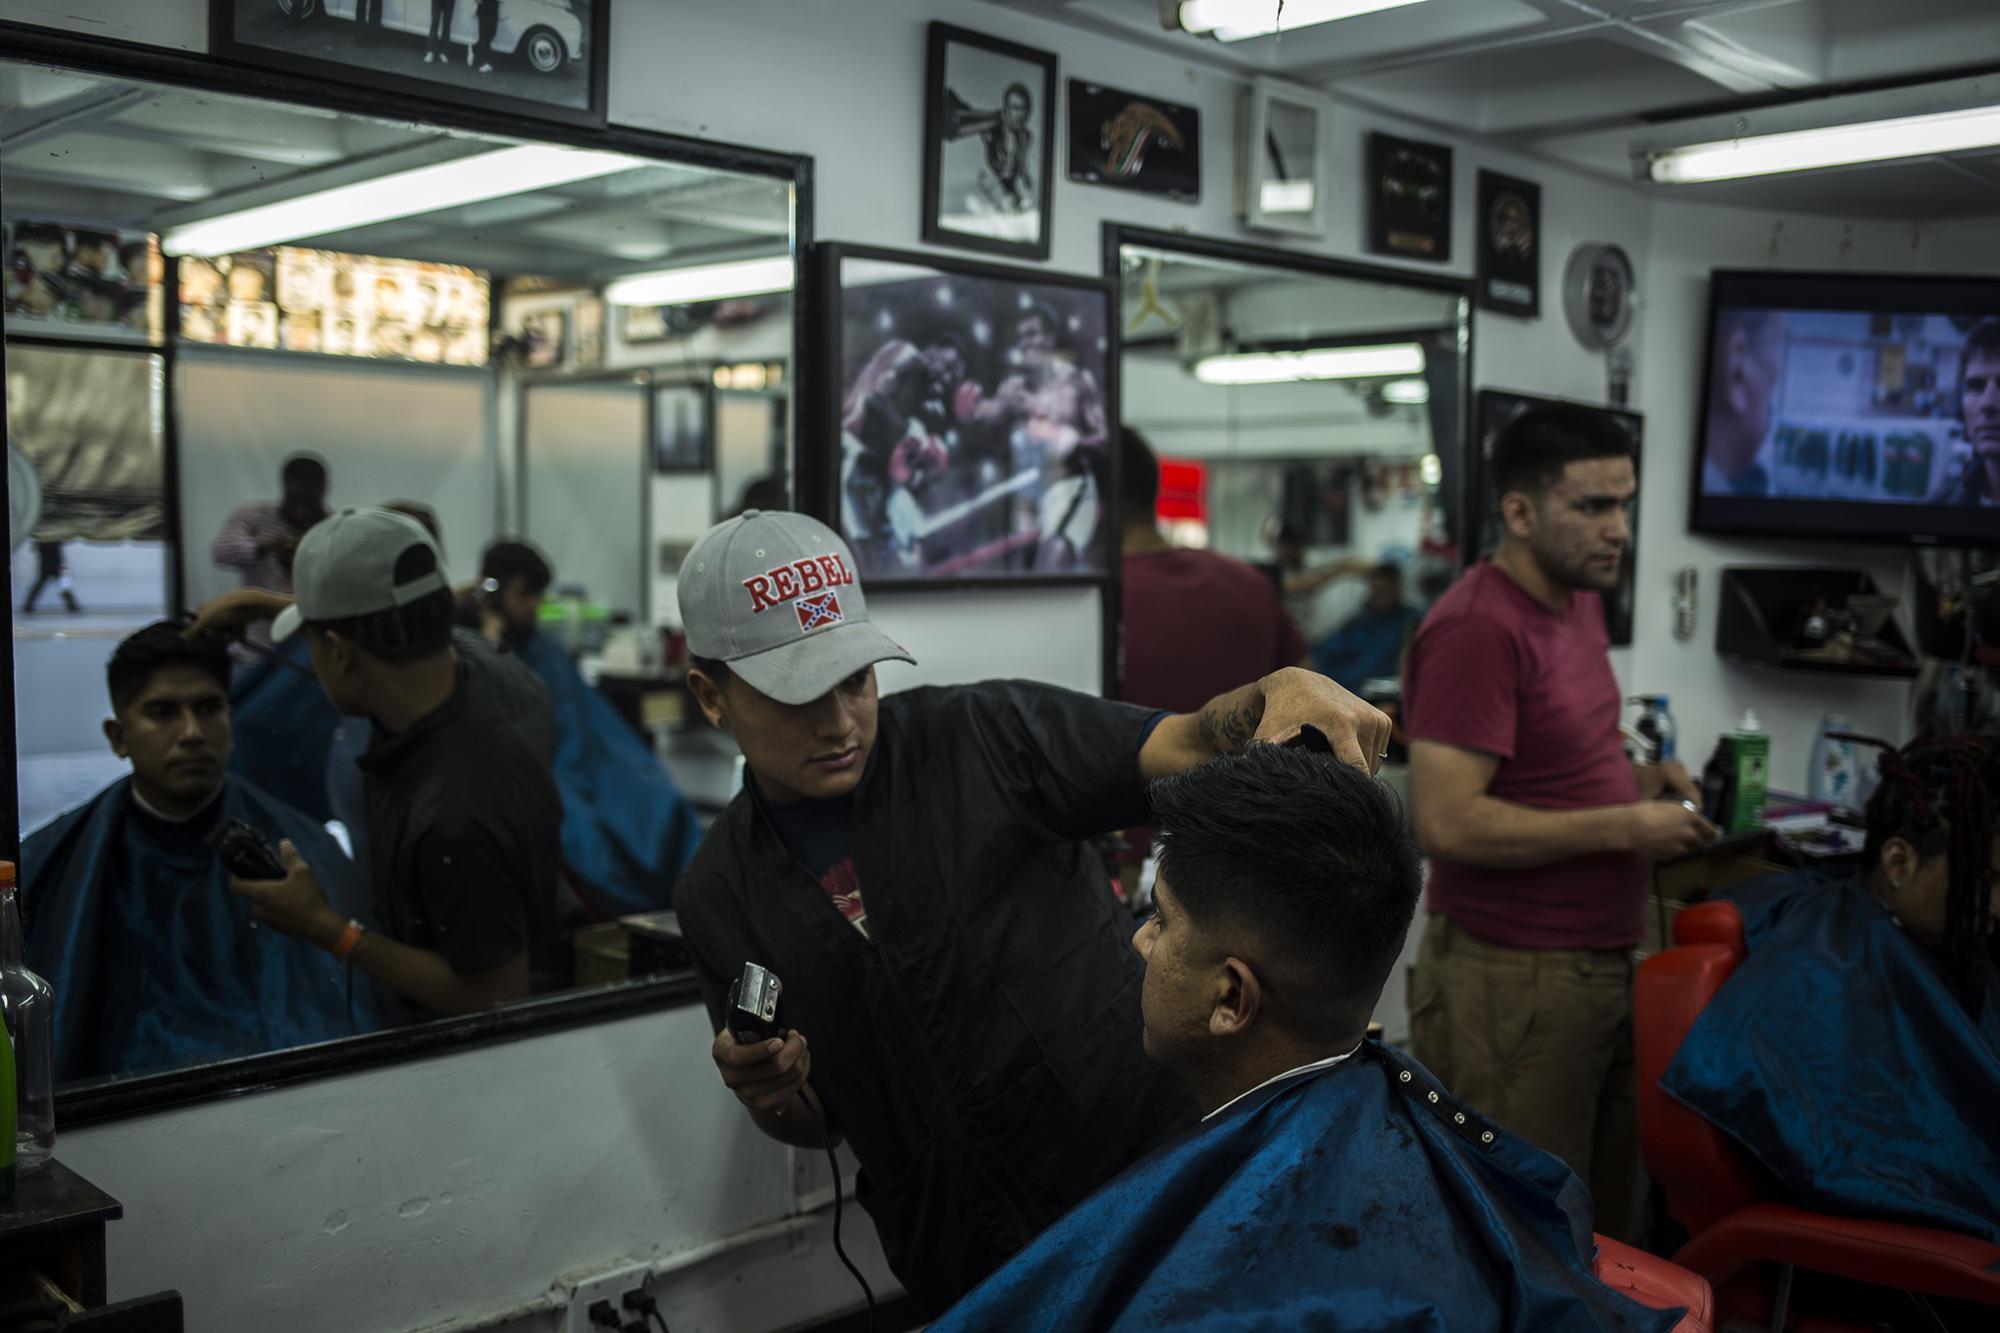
<point>914,869</point>
<point>627,832</point>
<point>461,813</point>
<point>1856,1052</point>
<point>1370,644</point>
<point>1332,1183</point>
<point>127,907</point>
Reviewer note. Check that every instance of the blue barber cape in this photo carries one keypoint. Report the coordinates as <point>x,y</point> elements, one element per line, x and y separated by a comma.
<point>1837,1056</point>
<point>282,725</point>
<point>154,961</point>
<point>1347,1199</point>
<point>627,832</point>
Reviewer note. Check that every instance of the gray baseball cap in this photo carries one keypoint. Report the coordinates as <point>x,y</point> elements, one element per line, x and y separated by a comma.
<point>775,596</point>
<point>347,566</point>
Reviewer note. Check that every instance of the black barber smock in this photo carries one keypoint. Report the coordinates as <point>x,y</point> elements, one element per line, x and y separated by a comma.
<point>982,1052</point>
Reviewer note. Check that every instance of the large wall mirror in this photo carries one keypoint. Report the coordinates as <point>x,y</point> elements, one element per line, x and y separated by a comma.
<point>1309,418</point>
<point>226,317</point>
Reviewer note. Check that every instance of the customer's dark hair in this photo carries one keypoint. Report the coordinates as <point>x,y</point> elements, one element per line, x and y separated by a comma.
<point>1138,474</point>
<point>403,633</point>
<point>1310,854</point>
<point>506,561</point>
<point>1532,450</point>
<point>154,649</point>
<point>1939,795</point>
<point>1984,340</point>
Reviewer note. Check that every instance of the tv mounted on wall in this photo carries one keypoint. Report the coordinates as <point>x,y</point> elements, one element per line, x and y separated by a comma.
<point>1851,408</point>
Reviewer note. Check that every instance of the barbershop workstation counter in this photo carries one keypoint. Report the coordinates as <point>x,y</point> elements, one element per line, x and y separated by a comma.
<point>52,1259</point>
<point>1796,834</point>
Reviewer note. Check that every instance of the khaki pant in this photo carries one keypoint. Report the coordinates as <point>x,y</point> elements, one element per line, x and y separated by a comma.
<point>1539,1040</point>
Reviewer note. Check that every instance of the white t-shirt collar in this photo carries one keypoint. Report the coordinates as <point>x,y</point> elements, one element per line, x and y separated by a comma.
<point>1315,1067</point>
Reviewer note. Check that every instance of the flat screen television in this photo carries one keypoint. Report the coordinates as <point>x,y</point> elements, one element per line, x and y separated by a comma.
<point>1851,408</point>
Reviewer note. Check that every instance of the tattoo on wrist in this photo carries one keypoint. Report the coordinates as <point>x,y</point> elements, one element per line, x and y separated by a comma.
<point>1228,728</point>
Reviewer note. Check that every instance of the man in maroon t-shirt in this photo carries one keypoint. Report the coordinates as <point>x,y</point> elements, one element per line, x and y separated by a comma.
<point>1540,830</point>
<point>1197,624</point>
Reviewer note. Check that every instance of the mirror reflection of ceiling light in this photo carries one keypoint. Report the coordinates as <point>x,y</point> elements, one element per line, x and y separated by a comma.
<point>1431,469</point>
<point>400,194</point>
<point>1234,20</point>
<point>1406,393</point>
<point>703,282</point>
<point>1320,363</point>
<point>1829,146</point>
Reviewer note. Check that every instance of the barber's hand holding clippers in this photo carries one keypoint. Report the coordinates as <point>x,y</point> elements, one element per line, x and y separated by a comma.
<point>765,1065</point>
<point>236,611</point>
<point>1665,829</point>
<point>293,905</point>
<point>1294,698</point>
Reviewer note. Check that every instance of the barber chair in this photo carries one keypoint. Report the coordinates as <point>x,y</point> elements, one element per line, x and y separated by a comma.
<point>1655,1284</point>
<point>1745,1239</point>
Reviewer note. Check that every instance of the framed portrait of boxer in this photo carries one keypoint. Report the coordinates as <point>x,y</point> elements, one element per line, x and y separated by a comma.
<point>989,144</point>
<point>971,407</point>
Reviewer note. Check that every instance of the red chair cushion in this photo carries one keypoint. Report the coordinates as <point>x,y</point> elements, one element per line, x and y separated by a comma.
<point>1656,1284</point>
<point>1885,1254</point>
<point>1711,923</point>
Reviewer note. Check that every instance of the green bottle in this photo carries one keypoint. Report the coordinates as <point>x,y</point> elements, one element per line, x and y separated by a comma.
<point>7,1108</point>
<point>1750,747</point>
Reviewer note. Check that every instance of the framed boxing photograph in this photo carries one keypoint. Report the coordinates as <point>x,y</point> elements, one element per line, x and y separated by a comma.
<point>1497,407</point>
<point>968,410</point>
<point>1510,245</point>
<point>989,144</point>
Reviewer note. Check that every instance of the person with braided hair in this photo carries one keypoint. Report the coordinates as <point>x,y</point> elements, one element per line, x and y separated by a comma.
<point>1855,1053</point>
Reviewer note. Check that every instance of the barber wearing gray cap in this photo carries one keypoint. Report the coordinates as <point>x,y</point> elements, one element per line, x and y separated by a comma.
<point>959,999</point>
<point>463,816</point>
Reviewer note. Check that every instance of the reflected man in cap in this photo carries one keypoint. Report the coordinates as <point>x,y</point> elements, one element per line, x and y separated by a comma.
<point>959,1002</point>
<point>462,812</point>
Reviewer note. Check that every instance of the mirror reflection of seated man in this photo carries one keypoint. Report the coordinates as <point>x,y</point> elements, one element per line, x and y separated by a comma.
<point>1855,1053</point>
<point>1370,645</point>
<point>461,812</point>
<point>155,963</point>
<point>1978,480</point>
<point>1332,1182</point>
<point>627,832</point>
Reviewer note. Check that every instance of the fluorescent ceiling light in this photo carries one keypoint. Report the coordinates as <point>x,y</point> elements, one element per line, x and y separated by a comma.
<point>1407,393</point>
<point>1320,363</point>
<point>705,282</point>
<point>400,194</point>
<point>1234,20</point>
<point>1831,146</point>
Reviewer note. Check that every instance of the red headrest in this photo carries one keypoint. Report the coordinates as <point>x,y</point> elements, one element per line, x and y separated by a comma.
<point>1711,923</point>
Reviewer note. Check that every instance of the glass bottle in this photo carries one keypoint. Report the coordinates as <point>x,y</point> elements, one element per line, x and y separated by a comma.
<point>29,1007</point>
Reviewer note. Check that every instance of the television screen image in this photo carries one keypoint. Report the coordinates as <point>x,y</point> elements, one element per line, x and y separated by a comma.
<point>1852,408</point>
<point>973,421</point>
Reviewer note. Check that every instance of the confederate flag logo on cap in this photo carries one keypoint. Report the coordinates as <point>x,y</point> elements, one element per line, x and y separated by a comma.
<point>817,611</point>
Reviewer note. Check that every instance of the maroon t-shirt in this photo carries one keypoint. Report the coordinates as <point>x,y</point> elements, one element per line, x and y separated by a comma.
<point>1199,624</point>
<point>1491,669</point>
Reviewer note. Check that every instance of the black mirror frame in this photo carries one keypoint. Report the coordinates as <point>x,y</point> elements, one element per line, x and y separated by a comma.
<point>31,44</point>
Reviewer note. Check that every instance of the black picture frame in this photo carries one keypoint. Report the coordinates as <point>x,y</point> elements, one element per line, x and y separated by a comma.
<point>1494,408</point>
<point>1409,198</point>
<point>1128,141</point>
<point>1510,245</point>
<point>825,481</point>
<point>956,128</point>
<point>311,37</point>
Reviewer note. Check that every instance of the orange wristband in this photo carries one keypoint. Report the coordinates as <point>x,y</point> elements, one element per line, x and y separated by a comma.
<point>350,937</point>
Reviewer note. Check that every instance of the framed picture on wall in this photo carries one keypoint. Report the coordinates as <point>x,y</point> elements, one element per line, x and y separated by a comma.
<point>682,440</point>
<point>1129,142</point>
<point>970,407</point>
<point>1280,150</point>
<point>989,144</point>
<point>1510,245</point>
<point>1409,198</point>
<point>542,58</point>
<point>1497,407</point>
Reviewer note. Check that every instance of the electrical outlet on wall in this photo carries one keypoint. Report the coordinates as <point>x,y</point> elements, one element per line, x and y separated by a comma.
<point>603,1284</point>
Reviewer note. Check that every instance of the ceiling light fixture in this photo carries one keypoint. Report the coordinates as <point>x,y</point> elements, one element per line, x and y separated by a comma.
<point>704,282</point>
<point>1830,146</point>
<point>1236,20</point>
<point>1319,363</point>
<point>1406,393</point>
<point>400,194</point>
